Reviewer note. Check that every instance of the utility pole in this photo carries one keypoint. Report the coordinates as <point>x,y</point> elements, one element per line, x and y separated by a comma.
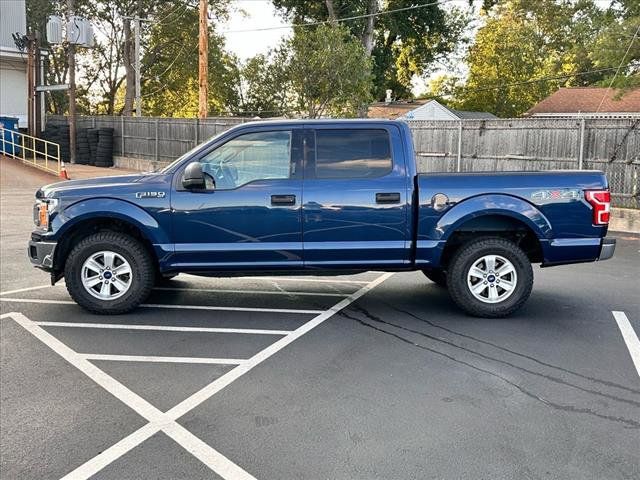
<point>203,57</point>
<point>72,89</point>
<point>31,85</point>
<point>138,100</point>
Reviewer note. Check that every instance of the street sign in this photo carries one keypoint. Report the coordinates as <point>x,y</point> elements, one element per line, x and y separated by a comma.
<point>52,88</point>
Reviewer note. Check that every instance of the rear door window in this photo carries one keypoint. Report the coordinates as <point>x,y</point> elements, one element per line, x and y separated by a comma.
<point>352,153</point>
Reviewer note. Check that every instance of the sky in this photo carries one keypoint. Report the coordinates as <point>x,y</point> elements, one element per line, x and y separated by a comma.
<point>257,14</point>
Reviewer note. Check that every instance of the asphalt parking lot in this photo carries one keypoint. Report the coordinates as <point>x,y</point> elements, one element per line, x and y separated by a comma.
<point>351,377</point>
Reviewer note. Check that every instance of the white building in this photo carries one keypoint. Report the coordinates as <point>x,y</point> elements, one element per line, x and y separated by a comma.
<point>433,110</point>
<point>13,62</point>
<point>422,110</point>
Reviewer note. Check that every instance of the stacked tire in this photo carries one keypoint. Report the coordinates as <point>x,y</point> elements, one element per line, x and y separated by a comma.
<point>104,153</point>
<point>92,140</point>
<point>63,140</point>
<point>51,134</point>
<point>82,147</point>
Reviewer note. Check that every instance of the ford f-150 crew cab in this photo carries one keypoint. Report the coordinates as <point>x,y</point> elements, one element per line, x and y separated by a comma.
<point>317,197</point>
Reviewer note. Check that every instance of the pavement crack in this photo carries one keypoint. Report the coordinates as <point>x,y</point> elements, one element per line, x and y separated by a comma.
<point>513,352</point>
<point>497,360</point>
<point>567,408</point>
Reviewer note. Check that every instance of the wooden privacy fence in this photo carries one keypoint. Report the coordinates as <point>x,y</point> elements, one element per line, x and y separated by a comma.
<point>158,139</point>
<point>608,144</point>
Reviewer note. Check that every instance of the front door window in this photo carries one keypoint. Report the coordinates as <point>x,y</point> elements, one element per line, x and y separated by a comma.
<point>249,157</point>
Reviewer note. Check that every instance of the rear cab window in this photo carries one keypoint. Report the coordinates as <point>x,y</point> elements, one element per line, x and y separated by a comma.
<point>352,153</point>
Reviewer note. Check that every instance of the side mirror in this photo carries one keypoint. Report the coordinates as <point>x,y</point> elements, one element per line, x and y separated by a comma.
<point>193,177</point>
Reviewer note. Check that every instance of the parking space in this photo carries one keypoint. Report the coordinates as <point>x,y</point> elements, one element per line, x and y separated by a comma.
<point>350,377</point>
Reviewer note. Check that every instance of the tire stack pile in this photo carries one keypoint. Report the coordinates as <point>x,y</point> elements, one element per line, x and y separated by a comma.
<point>104,155</point>
<point>63,140</point>
<point>82,147</point>
<point>92,140</point>
<point>51,134</point>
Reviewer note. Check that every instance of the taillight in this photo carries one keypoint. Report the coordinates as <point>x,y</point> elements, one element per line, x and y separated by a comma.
<point>600,200</point>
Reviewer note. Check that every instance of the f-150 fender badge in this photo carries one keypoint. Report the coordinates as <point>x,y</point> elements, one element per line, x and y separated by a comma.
<point>563,194</point>
<point>150,194</point>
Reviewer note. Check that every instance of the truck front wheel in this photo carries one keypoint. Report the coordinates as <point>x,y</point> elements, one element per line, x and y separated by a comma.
<point>490,277</point>
<point>109,273</point>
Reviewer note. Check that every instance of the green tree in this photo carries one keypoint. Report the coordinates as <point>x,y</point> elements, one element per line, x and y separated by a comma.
<point>527,50</point>
<point>402,44</point>
<point>170,65</point>
<point>329,72</point>
<point>618,44</point>
<point>319,72</point>
<point>263,85</point>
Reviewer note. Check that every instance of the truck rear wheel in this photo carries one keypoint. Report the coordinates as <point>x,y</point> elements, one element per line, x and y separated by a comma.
<point>437,276</point>
<point>490,277</point>
<point>109,273</point>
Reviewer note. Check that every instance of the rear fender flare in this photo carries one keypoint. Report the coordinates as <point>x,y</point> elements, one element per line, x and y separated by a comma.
<point>495,204</point>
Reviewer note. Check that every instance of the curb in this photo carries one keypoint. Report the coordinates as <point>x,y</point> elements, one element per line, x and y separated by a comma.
<point>625,220</point>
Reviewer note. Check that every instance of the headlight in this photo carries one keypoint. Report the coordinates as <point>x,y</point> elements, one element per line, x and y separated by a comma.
<point>42,211</point>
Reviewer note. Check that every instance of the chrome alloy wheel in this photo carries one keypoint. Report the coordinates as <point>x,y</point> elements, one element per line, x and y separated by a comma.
<point>492,279</point>
<point>106,275</point>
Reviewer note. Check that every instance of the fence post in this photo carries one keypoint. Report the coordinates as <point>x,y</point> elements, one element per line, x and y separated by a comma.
<point>122,135</point>
<point>197,133</point>
<point>581,146</point>
<point>156,156</point>
<point>93,122</point>
<point>459,160</point>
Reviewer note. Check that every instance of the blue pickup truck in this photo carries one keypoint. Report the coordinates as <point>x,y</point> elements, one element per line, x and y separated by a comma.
<point>311,198</point>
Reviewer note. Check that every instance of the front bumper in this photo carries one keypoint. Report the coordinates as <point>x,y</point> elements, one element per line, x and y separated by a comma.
<point>607,247</point>
<point>41,254</point>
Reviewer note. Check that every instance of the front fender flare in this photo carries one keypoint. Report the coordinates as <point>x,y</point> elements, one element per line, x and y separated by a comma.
<point>492,204</point>
<point>110,208</point>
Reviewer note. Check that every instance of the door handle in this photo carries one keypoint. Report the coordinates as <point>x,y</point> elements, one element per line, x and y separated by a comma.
<point>387,197</point>
<point>283,200</point>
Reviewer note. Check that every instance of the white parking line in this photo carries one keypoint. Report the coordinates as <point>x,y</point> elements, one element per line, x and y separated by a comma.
<point>630,338</point>
<point>156,359</point>
<point>27,289</point>
<point>179,307</point>
<point>126,326</point>
<point>306,279</point>
<point>157,419</point>
<point>166,422</point>
<point>260,292</point>
<point>208,290</point>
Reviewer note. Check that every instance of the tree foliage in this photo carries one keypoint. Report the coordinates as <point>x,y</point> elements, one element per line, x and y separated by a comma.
<point>527,50</point>
<point>319,72</point>
<point>404,44</point>
<point>170,65</point>
<point>618,44</point>
<point>329,72</point>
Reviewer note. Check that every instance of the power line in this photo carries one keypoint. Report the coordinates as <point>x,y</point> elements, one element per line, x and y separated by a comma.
<point>180,5</point>
<point>337,20</point>
<point>541,79</point>
<point>618,70</point>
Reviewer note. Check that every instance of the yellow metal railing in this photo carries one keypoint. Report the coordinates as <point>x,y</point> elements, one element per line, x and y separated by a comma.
<point>33,151</point>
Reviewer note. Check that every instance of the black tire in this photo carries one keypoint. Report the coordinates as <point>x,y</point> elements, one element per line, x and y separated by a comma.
<point>471,252</point>
<point>164,279</point>
<point>437,276</point>
<point>142,271</point>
